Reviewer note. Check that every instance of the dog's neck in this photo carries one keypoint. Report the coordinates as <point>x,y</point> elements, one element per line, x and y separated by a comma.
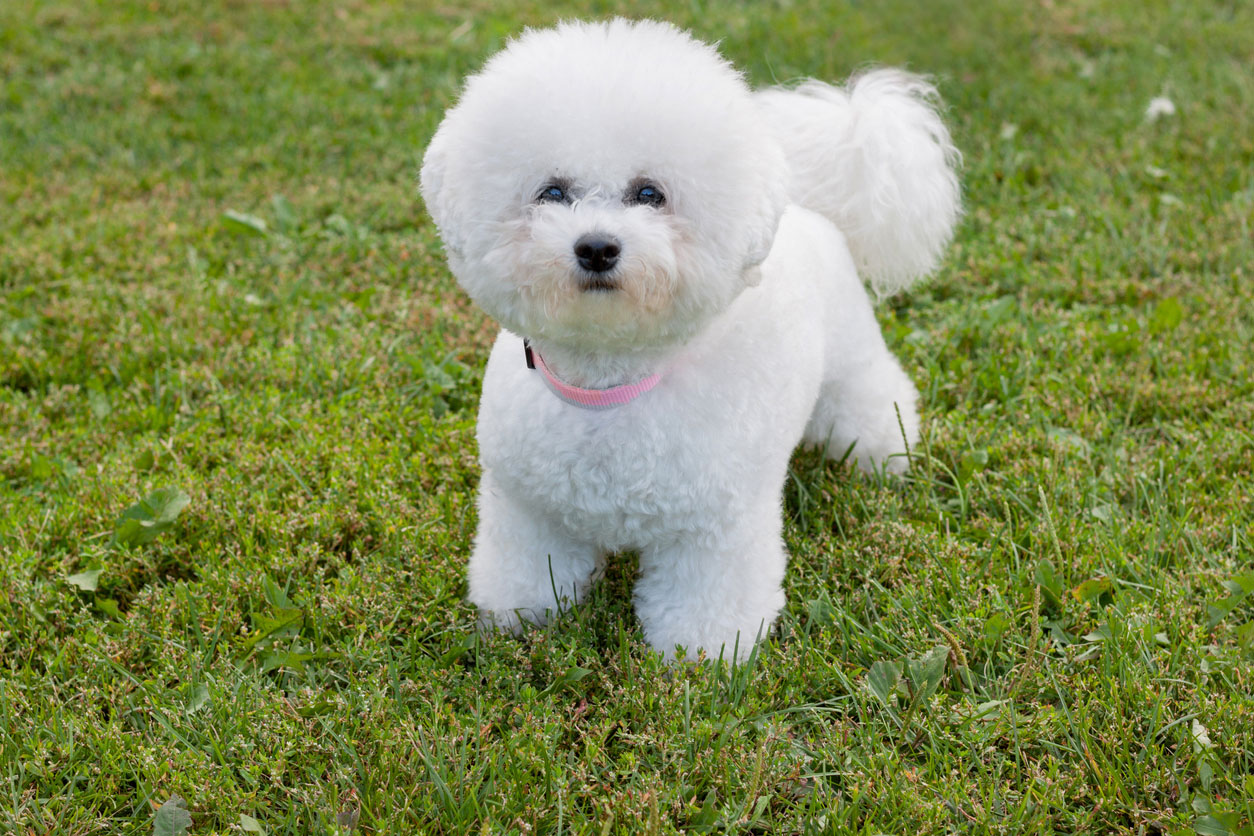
<point>603,369</point>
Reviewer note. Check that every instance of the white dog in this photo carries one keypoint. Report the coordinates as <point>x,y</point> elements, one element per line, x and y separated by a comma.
<point>675,260</point>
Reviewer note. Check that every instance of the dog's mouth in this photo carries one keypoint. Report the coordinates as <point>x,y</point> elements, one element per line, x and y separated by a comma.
<point>596,283</point>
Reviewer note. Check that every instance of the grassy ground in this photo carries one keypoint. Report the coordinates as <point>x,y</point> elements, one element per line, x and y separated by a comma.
<point>218,290</point>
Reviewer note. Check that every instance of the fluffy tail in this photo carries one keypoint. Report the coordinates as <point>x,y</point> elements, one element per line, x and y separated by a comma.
<point>874,158</point>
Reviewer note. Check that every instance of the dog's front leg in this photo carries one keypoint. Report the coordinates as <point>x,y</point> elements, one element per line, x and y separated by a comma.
<point>525,567</point>
<point>714,590</point>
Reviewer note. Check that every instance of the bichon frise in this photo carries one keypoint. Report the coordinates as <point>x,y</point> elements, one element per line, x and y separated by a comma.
<point>677,264</point>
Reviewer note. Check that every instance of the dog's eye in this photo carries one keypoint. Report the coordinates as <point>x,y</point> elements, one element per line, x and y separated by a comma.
<point>552,193</point>
<point>646,194</point>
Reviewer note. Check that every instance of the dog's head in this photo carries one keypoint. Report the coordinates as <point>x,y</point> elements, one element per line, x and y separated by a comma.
<point>605,185</point>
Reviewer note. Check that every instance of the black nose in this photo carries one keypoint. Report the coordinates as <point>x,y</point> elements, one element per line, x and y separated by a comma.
<point>597,253</point>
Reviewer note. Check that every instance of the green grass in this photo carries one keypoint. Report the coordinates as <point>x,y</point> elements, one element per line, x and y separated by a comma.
<point>216,276</point>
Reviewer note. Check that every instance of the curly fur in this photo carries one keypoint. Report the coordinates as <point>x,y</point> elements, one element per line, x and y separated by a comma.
<point>742,288</point>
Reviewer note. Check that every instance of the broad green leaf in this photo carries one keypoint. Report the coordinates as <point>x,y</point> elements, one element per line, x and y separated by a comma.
<point>926,672</point>
<point>1241,584</point>
<point>708,816</point>
<point>1058,633</point>
<point>284,215</point>
<point>1049,582</point>
<point>86,580</point>
<point>275,594</point>
<point>285,623</point>
<point>1201,737</point>
<point>172,818</point>
<point>566,680</point>
<point>882,678</point>
<point>1211,826</point>
<point>1069,438</point>
<point>109,607</point>
<point>318,709</point>
<point>1094,591</point>
<point>973,462</point>
<point>198,699</point>
<point>244,224</point>
<point>1104,512</point>
<point>1239,588</point>
<point>147,519</point>
<point>990,710</point>
<point>995,627</point>
<point>250,825</point>
<point>1104,632</point>
<point>459,649</point>
<point>293,659</point>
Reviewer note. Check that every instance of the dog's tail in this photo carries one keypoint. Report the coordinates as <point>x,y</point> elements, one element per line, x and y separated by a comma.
<point>874,158</point>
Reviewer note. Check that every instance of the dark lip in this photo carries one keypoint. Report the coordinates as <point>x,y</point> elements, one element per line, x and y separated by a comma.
<point>597,284</point>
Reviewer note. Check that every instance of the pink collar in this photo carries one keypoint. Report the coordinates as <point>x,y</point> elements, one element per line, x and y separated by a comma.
<point>589,398</point>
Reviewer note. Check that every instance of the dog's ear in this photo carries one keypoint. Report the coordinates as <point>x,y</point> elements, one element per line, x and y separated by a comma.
<point>440,204</point>
<point>772,199</point>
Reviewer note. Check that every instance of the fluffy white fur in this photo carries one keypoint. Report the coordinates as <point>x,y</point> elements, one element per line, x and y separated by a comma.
<point>742,288</point>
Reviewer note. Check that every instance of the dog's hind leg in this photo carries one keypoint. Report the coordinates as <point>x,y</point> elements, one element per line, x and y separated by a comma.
<point>867,416</point>
<point>866,410</point>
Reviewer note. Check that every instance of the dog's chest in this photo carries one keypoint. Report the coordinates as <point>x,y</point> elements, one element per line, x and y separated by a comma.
<point>689,455</point>
<point>622,478</point>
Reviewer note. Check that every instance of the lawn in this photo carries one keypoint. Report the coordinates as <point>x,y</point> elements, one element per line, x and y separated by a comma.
<point>237,451</point>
